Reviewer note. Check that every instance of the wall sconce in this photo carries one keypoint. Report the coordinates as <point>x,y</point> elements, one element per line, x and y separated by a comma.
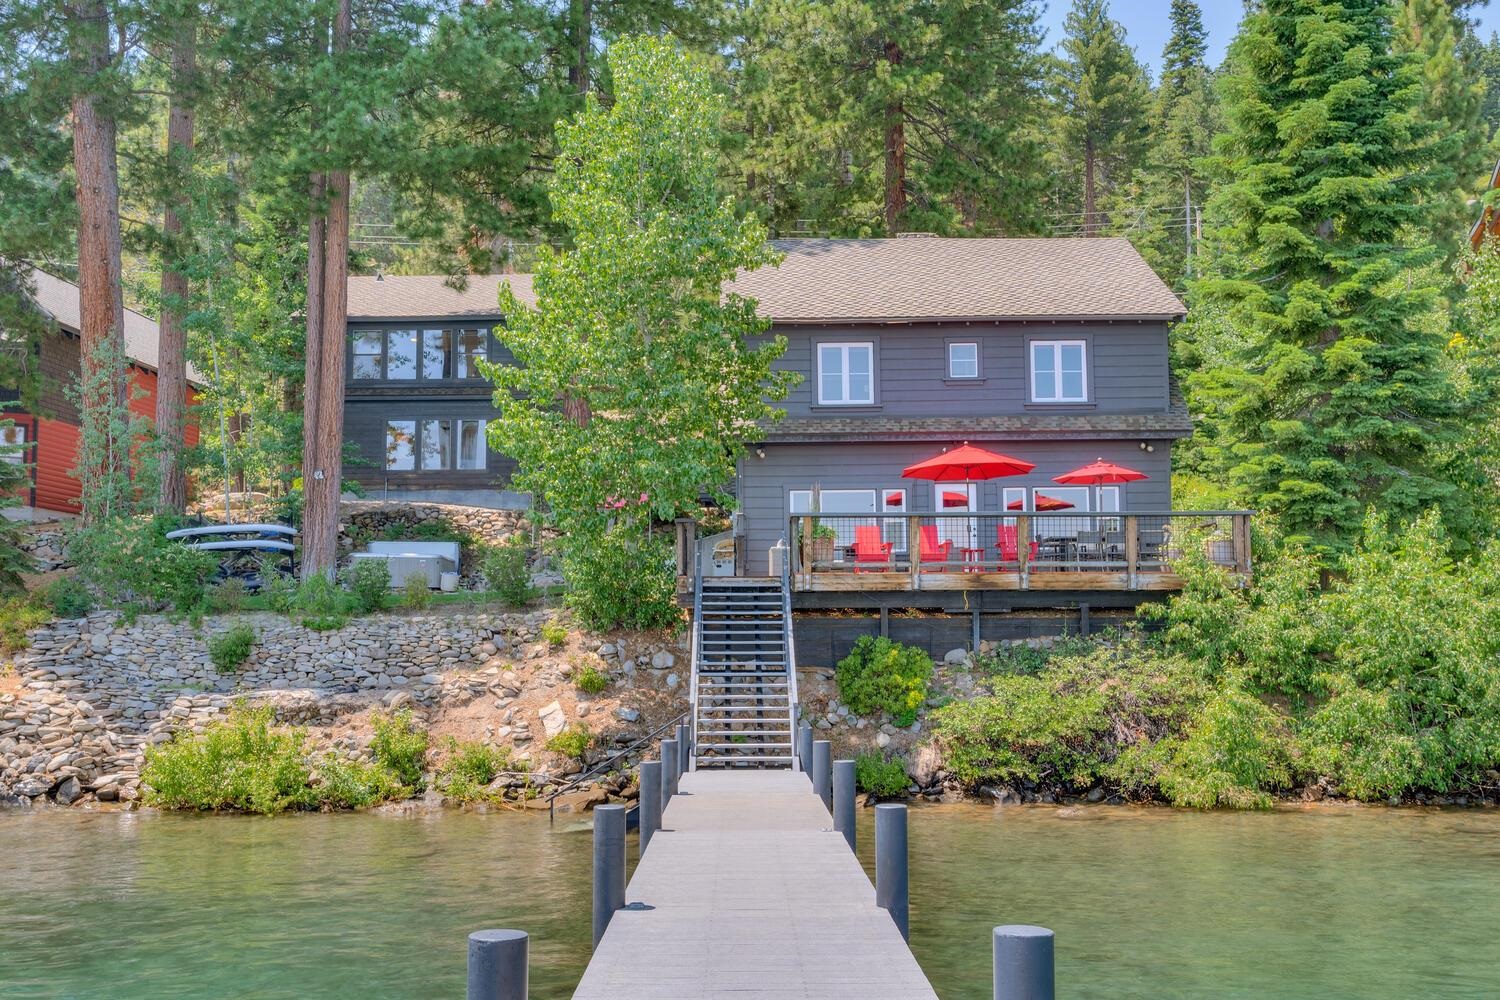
<point>1147,446</point>
<point>760,452</point>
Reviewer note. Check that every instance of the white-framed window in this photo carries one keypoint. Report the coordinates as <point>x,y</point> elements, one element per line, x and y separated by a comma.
<point>471,444</point>
<point>400,445</point>
<point>369,354</point>
<point>13,441</point>
<point>956,498</point>
<point>893,529</point>
<point>840,502</point>
<point>1059,371</point>
<point>846,374</point>
<point>963,359</point>
<point>401,349</point>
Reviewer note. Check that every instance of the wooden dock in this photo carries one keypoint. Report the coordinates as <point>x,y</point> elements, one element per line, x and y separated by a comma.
<point>748,893</point>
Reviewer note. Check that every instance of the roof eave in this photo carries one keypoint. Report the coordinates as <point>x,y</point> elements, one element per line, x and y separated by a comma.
<point>910,320</point>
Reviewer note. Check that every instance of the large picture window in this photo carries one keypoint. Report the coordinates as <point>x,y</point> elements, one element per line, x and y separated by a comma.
<point>1059,371</point>
<point>400,445</point>
<point>471,444</point>
<point>437,353</point>
<point>429,355</point>
<point>434,444</point>
<point>401,354</point>
<point>846,374</point>
<point>437,445</point>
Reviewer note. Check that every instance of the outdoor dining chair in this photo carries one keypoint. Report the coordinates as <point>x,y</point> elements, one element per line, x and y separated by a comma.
<point>1008,544</point>
<point>868,547</point>
<point>934,551</point>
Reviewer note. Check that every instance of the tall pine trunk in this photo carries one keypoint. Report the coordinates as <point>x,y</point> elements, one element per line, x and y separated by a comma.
<point>582,18</point>
<point>323,433</point>
<point>895,153</point>
<point>1090,193</point>
<point>171,377</point>
<point>101,302</point>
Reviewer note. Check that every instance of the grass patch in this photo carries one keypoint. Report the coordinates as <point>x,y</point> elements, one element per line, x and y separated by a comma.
<point>590,680</point>
<point>17,617</point>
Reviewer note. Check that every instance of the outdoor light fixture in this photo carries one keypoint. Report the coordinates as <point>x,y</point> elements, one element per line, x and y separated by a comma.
<point>760,453</point>
<point>1147,446</point>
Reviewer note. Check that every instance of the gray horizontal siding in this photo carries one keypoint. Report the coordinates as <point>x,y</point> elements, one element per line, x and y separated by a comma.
<point>1128,367</point>
<point>763,483</point>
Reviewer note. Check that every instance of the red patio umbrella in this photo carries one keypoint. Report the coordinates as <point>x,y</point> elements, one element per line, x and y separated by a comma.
<point>967,463</point>
<point>1042,503</point>
<point>1100,473</point>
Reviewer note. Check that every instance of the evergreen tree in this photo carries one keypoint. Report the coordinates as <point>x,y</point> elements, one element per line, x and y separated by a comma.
<point>1101,95</point>
<point>870,117</point>
<point>1327,392</point>
<point>1489,68</point>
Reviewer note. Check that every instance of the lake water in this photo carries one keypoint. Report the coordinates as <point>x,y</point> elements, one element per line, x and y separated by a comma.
<point>1147,903</point>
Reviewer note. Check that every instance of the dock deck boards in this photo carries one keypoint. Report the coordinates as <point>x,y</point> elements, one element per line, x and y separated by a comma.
<point>753,896</point>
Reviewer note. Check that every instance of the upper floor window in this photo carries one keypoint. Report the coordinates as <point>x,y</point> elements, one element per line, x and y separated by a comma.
<point>1059,371</point>
<point>963,359</point>
<point>846,373</point>
<point>413,355</point>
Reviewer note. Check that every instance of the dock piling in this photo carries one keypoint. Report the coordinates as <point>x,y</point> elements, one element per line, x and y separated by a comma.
<point>609,866</point>
<point>843,799</point>
<point>650,801</point>
<point>684,750</point>
<point>892,882</point>
<point>497,965</point>
<point>669,761</point>
<point>822,776</point>
<point>804,748</point>
<point>1023,963</point>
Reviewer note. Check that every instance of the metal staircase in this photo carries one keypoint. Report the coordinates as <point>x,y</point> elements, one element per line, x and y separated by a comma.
<point>744,686</point>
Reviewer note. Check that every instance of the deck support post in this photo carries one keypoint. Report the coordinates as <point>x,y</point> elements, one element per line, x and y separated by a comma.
<point>669,761</point>
<point>805,749</point>
<point>1132,550</point>
<point>843,799</point>
<point>892,880</point>
<point>974,632</point>
<point>650,801</point>
<point>1023,549</point>
<point>913,555</point>
<point>822,774</point>
<point>1083,620</point>
<point>1023,963</point>
<point>497,965</point>
<point>609,866</point>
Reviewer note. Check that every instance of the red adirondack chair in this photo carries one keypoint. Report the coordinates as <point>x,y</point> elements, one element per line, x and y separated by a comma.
<point>868,548</point>
<point>1006,542</point>
<point>932,550</point>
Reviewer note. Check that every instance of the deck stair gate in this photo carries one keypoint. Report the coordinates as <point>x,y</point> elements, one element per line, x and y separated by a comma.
<point>744,680</point>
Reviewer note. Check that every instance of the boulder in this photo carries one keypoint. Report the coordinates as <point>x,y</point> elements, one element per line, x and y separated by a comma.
<point>553,719</point>
<point>924,765</point>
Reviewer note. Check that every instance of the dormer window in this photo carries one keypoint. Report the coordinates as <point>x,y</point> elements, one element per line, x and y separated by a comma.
<point>963,359</point>
<point>846,374</point>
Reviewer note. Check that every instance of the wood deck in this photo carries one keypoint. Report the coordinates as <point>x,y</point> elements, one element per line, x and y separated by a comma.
<point>749,893</point>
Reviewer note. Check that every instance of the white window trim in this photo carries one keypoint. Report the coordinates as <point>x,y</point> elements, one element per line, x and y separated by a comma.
<point>845,346</point>
<point>806,497</point>
<point>963,343</point>
<point>1056,347</point>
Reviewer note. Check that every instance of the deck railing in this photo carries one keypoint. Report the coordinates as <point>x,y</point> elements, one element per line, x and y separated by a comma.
<point>1071,550</point>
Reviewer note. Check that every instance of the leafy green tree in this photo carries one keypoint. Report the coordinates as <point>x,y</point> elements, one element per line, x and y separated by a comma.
<point>1101,99</point>
<point>1328,392</point>
<point>870,117</point>
<point>636,377</point>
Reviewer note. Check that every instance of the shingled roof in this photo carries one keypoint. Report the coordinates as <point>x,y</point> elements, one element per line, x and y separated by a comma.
<point>908,279</point>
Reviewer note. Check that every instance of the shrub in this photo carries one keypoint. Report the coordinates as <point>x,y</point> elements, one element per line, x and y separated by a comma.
<point>617,580</point>
<point>883,676</point>
<point>400,747</point>
<point>17,617</point>
<point>507,574</point>
<point>130,563</point>
<point>415,594</point>
<point>590,680</point>
<point>340,783</point>
<point>1021,659</point>
<point>1235,750</point>
<point>287,508</point>
<point>883,778</point>
<point>227,596</point>
<point>67,597</point>
<point>243,762</point>
<point>230,649</point>
<point>572,741</point>
<point>322,605</point>
<point>369,581</point>
<point>280,592</point>
<point>555,633</point>
<point>468,769</point>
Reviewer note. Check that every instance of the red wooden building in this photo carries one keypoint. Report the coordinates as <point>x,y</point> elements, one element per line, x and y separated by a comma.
<point>51,434</point>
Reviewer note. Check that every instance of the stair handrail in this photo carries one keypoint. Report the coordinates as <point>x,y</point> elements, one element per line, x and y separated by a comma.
<point>607,764</point>
<point>695,638</point>
<point>793,709</point>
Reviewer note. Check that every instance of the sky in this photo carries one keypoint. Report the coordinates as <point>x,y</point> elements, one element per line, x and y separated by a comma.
<point>1147,27</point>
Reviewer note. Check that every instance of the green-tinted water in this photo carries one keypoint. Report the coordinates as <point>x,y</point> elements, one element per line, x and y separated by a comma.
<point>1324,903</point>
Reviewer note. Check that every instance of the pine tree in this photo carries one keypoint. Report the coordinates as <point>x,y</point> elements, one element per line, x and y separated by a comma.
<point>870,117</point>
<point>1323,391</point>
<point>1101,96</point>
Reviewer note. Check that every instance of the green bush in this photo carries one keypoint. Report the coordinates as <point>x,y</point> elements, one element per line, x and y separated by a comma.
<point>243,762</point>
<point>468,769</point>
<point>555,633</point>
<point>340,783</point>
<point>322,606</point>
<point>882,778</point>
<point>883,676</point>
<point>227,596</point>
<point>507,574</point>
<point>230,649</point>
<point>280,592</point>
<point>617,580</point>
<point>415,594</point>
<point>17,617</point>
<point>590,679</point>
<point>287,508</point>
<point>572,741</point>
<point>369,581</point>
<point>67,597</point>
<point>131,564</point>
<point>1022,659</point>
<point>400,747</point>
<point>1235,752</point>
